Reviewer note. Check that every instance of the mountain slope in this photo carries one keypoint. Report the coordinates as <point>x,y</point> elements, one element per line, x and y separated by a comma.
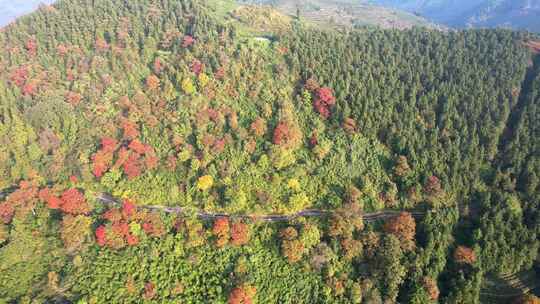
<point>520,14</point>
<point>346,13</point>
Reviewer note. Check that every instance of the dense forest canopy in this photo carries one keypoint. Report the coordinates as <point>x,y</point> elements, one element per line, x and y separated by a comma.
<point>203,152</point>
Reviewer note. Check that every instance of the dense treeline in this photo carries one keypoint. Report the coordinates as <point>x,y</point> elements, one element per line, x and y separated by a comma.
<point>178,103</point>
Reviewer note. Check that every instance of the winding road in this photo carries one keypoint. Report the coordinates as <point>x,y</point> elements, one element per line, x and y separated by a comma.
<point>368,217</point>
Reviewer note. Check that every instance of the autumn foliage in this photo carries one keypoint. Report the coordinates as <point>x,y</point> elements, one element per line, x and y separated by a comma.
<point>404,228</point>
<point>464,255</point>
<point>126,225</point>
<point>323,101</point>
<point>243,294</point>
<point>221,230</point>
<point>240,234</point>
<point>132,159</point>
<point>287,135</point>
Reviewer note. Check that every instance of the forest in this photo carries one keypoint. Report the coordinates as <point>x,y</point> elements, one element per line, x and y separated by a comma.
<point>198,151</point>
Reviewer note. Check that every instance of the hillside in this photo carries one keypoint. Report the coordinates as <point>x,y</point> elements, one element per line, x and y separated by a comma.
<point>518,14</point>
<point>345,13</point>
<point>202,151</point>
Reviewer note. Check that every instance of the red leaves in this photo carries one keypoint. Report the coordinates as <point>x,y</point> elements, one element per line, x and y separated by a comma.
<point>149,291</point>
<point>280,133</point>
<point>73,202</point>
<point>152,82</point>
<point>6,212</point>
<point>242,295</point>
<point>464,255</point>
<point>132,166</point>
<point>188,41</point>
<point>128,209</point>
<point>130,128</point>
<point>108,144</point>
<point>101,236</point>
<point>73,98</point>
<point>158,67</point>
<point>102,159</point>
<point>19,76</point>
<point>132,240</point>
<point>137,146</point>
<point>240,234</point>
<point>54,202</point>
<point>326,95</point>
<point>321,108</point>
<point>287,135</point>
<point>324,99</point>
<point>196,67</point>
<point>130,160</point>
<point>30,88</point>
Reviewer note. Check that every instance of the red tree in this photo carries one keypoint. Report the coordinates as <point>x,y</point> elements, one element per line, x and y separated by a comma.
<point>73,202</point>
<point>196,67</point>
<point>6,212</point>
<point>188,41</point>
<point>132,166</point>
<point>128,209</point>
<point>101,236</point>
<point>281,133</point>
<point>19,76</point>
<point>108,144</point>
<point>326,95</point>
<point>239,234</point>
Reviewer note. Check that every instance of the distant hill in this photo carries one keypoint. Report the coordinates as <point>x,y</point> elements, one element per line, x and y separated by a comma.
<point>346,13</point>
<point>519,14</point>
<point>9,10</point>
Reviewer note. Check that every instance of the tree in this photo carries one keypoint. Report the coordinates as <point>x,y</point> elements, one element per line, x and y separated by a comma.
<point>152,82</point>
<point>258,127</point>
<point>221,230</point>
<point>430,285</point>
<point>404,228</point>
<point>243,294</point>
<point>464,255</point>
<point>188,87</point>
<point>205,182</point>
<point>187,41</point>
<point>73,202</point>
<point>75,231</point>
<point>401,167</point>
<point>287,135</point>
<point>240,233</point>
